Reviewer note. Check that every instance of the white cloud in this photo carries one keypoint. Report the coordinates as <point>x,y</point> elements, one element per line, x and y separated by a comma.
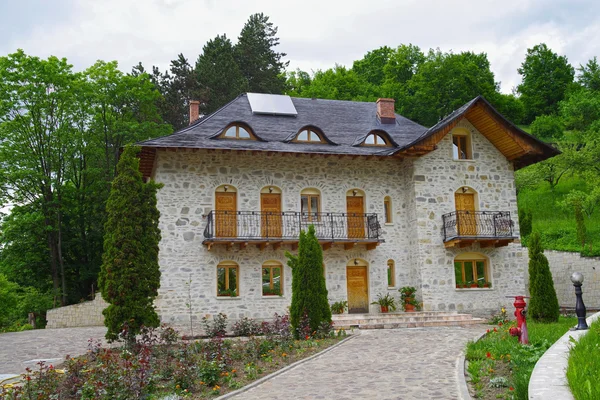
<point>315,34</point>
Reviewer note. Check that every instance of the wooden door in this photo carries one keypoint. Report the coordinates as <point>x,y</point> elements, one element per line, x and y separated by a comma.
<point>465,216</point>
<point>358,294</point>
<point>355,209</point>
<point>225,216</point>
<point>270,206</point>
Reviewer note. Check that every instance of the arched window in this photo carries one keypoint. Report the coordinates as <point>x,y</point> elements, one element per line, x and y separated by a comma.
<point>391,273</point>
<point>237,131</point>
<point>471,270</point>
<point>228,279</point>
<point>310,204</point>
<point>461,144</point>
<point>387,209</point>
<point>272,278</point>
<point>375,139</point>
<point>309,135</point>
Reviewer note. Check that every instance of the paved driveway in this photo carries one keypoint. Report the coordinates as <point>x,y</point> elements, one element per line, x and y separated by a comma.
<point>415,363</point>
<point>17,348</point>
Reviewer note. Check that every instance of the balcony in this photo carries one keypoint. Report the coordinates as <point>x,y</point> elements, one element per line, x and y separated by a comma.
<point>488,228</point>
<point>274,229</point>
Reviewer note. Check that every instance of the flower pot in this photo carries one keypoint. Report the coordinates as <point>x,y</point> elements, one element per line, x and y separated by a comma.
<point>474,285</point>
<point>487,285</point>
<point>384,309</point>
<point>409,307</point>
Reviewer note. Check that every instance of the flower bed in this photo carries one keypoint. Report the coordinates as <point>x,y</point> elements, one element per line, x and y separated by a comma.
<point>499,367</point>
<point>161,364</point>
<point>584,365</point>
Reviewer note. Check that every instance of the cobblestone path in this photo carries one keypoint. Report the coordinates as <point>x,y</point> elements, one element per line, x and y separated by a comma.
<point>415,363</point>
<point>16,348</point>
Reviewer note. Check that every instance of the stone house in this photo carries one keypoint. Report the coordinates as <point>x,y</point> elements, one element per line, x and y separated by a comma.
<point>393,203</point>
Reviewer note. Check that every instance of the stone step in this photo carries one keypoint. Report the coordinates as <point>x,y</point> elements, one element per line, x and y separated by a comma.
<point>417,324</point>
<point>361,319</point>
<point>395,314</point>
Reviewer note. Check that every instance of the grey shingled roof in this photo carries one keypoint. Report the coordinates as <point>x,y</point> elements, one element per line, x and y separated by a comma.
<point>342,122</point>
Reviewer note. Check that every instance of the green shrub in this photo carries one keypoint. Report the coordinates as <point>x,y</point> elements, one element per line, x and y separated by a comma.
<point>525,222</point>
<point>547,127</point>
<point>543,305</point>
<point>309,293</point>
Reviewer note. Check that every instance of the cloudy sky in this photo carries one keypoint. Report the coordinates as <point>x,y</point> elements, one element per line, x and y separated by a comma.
<point>314,34</point>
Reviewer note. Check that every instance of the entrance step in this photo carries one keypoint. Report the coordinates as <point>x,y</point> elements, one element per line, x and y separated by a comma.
<point>403,320</point>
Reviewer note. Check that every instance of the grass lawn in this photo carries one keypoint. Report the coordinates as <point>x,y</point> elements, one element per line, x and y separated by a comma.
<point>500,367</point>
<point>557,226</point>
<point>583,372</point>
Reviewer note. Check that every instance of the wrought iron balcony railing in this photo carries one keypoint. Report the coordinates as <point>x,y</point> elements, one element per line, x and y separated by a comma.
<point>256,225</point>
<point>477,224</point>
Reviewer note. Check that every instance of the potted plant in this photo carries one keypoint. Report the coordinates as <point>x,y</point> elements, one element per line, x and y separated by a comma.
<point>386,303</point>
<point>472,284</point>
<point>487,285</point>
<point>460,284</point>
<point>339,307</point>
<point>407,294</point>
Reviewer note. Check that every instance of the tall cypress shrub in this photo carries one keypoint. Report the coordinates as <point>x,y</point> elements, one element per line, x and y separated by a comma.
<point>130,277</point>
<point>309,292</point>
<point>543,305</point>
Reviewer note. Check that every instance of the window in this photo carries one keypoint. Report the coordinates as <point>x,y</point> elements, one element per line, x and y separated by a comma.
<point>310,204</point>
<point>309,135</point>
<point>237,131</point>
<point>391,274</point>
<point>227,279</point>
<point>461,146</point>
<point>375,139</point>
<point>272,277</point>
<point>471,270</point>
<point>387,209</point>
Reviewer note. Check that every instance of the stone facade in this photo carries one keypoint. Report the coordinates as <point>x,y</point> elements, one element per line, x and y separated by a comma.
<point>88,313</point>
<point>562,265</point>
<point>421,189</point>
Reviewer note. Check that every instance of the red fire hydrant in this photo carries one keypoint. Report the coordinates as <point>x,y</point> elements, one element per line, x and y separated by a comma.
<point>521,329</point>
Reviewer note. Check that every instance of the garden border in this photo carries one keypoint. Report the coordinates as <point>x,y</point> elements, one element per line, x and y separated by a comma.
<point>461,371</point>
<point>285,369</point>
<point>548,379</point>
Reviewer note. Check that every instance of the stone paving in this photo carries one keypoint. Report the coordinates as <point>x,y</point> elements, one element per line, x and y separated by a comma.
<point>18,349</point>
<point>415,363</point>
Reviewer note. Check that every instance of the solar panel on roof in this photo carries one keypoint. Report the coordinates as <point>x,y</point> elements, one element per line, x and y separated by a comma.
<point>274,104</point>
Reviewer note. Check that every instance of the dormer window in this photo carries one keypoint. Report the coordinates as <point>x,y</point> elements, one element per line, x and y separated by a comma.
<point>237,131</point>
<point>309,135</point>
<point>375,139</point>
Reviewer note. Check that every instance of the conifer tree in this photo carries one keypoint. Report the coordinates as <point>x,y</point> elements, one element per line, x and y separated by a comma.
<point>219,77</point>
<point>260,64</point>
<point>130,276</point>
<point>309,292</point>
<point>543,305</point>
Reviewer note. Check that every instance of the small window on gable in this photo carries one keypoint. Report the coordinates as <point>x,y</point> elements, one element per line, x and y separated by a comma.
<point>461,145</point>
<point>391,274</point>
<point>237,131</point>
<point>309,135</point>
<point>375,139</point>
<point>387,208</point>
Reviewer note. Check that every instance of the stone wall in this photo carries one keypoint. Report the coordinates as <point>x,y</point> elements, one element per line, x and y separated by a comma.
<point>436,178</point>
<point>422,190</point>
<point>562,265</point>
<point>88,313</point>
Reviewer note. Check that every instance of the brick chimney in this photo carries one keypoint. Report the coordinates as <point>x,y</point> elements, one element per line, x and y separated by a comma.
<point>194,110</point>
<point>385,111</point>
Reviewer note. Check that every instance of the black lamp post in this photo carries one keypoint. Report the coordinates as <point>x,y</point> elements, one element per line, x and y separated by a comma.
<point>577,279</point>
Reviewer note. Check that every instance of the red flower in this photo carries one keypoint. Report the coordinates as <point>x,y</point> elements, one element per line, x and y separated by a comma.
<point>488,355</point>
<point>511,388</point>
<point>488,331</point>
<point>499,323</point>
<point>495,330</point>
